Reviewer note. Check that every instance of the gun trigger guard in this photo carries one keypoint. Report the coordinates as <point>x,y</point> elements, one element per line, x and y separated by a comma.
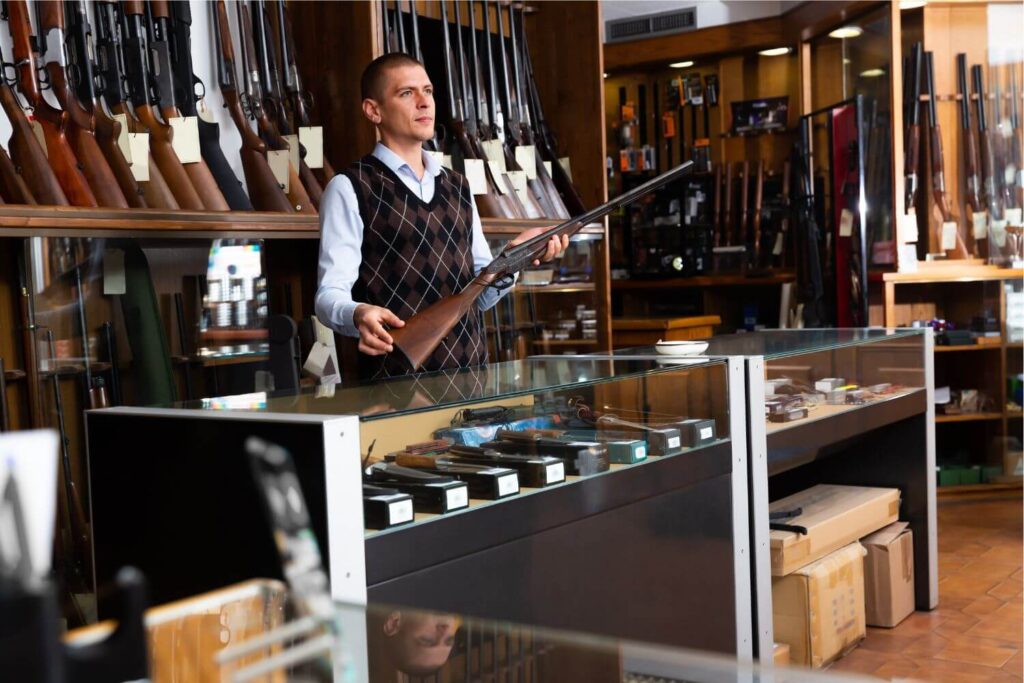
<point>198,88</point>
<point>503,282</point>
<point>309,98</point>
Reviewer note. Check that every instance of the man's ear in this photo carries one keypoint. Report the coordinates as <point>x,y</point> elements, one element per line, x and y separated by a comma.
<point>393,623</point>
<point>371,110</point>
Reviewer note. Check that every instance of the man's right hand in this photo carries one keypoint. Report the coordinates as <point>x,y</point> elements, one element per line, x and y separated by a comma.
<point>374,339</point>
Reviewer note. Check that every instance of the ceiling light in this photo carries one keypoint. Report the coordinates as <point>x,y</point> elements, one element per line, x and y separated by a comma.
<point>912,4</point>
<point>872,73</point>
<point>681,65</point>
<point>846,32</point>
<point>606,75</point>
<point>775,52</point>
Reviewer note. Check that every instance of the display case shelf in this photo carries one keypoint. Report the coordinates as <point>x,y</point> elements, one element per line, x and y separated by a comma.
<point>968,417</point>
<point>968,347</point>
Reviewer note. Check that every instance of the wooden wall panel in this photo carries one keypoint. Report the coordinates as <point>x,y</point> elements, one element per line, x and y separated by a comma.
<point>565,45</point>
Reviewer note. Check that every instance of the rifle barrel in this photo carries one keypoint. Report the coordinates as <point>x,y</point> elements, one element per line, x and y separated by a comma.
<point>961,86</point>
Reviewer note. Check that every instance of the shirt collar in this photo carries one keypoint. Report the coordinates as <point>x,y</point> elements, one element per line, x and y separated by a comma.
<point>397,163</point>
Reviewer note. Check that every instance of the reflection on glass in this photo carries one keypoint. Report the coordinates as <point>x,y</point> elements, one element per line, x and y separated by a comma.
<point>409,641</point>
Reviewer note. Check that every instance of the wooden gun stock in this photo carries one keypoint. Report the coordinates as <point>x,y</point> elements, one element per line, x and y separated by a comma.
<point>81,125</point>
<point>155,190</point>
<point>29,162</point>
<point>60,157</point>
<point>107,132</point>
<point>727,219</point>
<point>758,200</point>
<point>171,168</point>
<point>744,203</point>
<point>12,185</point>
<point>716,218</point>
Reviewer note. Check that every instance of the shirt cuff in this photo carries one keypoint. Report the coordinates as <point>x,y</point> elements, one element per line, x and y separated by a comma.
<point>347,324</point>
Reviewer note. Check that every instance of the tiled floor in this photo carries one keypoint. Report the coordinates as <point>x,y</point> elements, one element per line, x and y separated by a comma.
<point>976,632</point>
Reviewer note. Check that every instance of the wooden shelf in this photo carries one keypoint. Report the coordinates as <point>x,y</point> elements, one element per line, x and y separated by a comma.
<point>1015,345</point>
<point>967,347</point>
<point>992,487</point>
<point>563,288</point>
<point>1014,414</point>
<point>706,281</point>
<point>968,417</point>
<point>955,274</point>
<point>13,375</point>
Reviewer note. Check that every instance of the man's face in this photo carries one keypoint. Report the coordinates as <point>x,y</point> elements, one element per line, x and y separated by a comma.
<point>405,111</point>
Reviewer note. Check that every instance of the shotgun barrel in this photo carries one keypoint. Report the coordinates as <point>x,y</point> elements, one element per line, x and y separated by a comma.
<point>985,146</point>
<point>912,144</point>
<point>971,181</point>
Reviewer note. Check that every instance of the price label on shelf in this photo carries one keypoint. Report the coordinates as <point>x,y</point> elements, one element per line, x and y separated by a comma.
<point>185,139</point>
<point>979,225</point>
<point>999,233</point>
<point>139,144</point>
<point>477,176</point>
<point>948,235</point>
<point>312,138</point>
<point>526,157</point>
<point>908,227</point>
<point>846,223</point>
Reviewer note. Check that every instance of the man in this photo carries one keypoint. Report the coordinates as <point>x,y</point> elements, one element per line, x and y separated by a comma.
<point>398,231</point>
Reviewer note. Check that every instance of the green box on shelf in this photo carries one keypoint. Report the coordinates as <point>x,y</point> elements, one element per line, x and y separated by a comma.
<point>970,475</point>
<point>949,476</point>
<point>990,472</point>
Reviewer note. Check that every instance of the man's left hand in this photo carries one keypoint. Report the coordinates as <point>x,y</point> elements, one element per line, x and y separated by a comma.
<point>555,248</point>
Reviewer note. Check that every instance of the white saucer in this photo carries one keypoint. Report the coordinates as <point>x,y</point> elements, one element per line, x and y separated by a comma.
<point>681,348</point>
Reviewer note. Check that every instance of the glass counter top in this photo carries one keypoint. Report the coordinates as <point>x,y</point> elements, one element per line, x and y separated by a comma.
<point>444,389</point>
<point>774,344</point>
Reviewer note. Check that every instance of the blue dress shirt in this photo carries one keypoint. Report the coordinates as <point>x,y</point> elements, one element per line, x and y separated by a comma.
<point>341,239</point>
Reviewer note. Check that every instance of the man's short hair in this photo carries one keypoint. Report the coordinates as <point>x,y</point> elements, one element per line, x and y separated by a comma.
<point>373,75</point>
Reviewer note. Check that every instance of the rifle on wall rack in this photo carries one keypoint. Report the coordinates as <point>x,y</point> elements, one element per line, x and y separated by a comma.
<point>740,238</point>
<point>716,226</point>
<point>972,182</point>
<point>988,172</point>
<point>162,77</point>
<point>758,202</point>
<point>421,334</point>
<point>28,155</point>
<point>61,158</point>
<point>112,84</point>
<point>105,128</point>
<point>959,249</point>
<point>727,202</point>
<point>1016,177</point>
<point>912,143</point>
<point>264,190</point>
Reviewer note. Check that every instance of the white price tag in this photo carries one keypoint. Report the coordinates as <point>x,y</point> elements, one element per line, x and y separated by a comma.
<point>948,235</point>
<point>547,167</point>
<point>564,163</point>
<point>122,137</point>
<point>38,131</point>
<point>477,176</point>
<point>908,258</point>
<point>555,473</point>
<point>279,161</point>
<point>1010,174</point>
<point>294,153</point>
<point>436,156</point>
<point>706,433</point>
<point>312,138</point>
<point>673,442</point>
<point>457,497</point>
<point>446,161</point>
<point>979,223</point>
<point>519,183</point>
<point>495,153</point>
<point>400,511</point>
<point>908,227</point>
<point>526,157</point>
<point>998,233</point>
<point>508,484</point>
<point>1013,216</point>
<point>498,173</point>
<point>139,144</point>
<point>185,138</point>
<point>845,223</point>
<point>777,249</point>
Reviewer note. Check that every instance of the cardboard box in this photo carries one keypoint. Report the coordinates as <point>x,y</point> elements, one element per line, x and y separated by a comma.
<point>818,610</point>
<point>780,654</point>
<point>834,516</point>
<point>889,575</point>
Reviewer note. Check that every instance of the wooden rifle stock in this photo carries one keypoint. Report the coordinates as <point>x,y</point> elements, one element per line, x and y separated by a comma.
<point>12,185</point>
<point>31,168</point>
<point>81,124</point>
<point>424,331</point>
<point>741,238</point>
<point>727,220</point>
<point>264,191</point>
<point>717,213</point>
<point>60,157</point>
<point>938,164</point>
<point>985,145</point>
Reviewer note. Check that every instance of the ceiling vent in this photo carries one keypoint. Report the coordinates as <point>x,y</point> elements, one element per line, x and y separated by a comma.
<point>661,24</point>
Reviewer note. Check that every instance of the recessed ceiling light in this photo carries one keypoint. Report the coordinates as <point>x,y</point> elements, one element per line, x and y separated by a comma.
<point>681,65</point>
<point>872,73</point>
<point>775,52</point>
<point>846,32</point>
<point>912,4</point>
<point>606,75</point>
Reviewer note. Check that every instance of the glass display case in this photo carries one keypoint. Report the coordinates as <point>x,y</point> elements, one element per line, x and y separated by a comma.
<point>565,492</point>
<point>248,630</point>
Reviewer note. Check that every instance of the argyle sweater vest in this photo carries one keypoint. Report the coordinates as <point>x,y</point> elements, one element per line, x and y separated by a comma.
<point>413,254</point>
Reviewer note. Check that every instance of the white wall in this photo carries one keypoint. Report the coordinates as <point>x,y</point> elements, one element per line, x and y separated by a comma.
<point>203,66</point>
<point>709,12</point>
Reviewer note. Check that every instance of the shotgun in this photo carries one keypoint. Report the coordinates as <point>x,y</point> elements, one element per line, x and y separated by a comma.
<point>422,332</point>
<point>111,81</point>
<point>270,75</point>
<point>301,99</point>
<point>385,20</point>
<point>758,200</point>
<point>162,78</point>
<point>81,124</point>
<point>144,101</point>
<point>482,125</point>
<point>532,202</point>
<point>27,165</point>
<point>985,146</point>
<point>529,138</point>
<point>716,218</point>
<point>105,128</point>
<point>727,219</point>
<point>495,132</point>
<point>912,144</point>
<point>252,101</point>
<point>938,164</point>
<point>741,236</point>
<point>264,191</point>
<point>971,182</point>
<point>787,208</point>
<point>547,145</point>
<point>810,278</point>
<point>1001,133</point>
<point>189,91</point>
<point>53,121</point>
<point>1017,179</point>
<point>12,186</point>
